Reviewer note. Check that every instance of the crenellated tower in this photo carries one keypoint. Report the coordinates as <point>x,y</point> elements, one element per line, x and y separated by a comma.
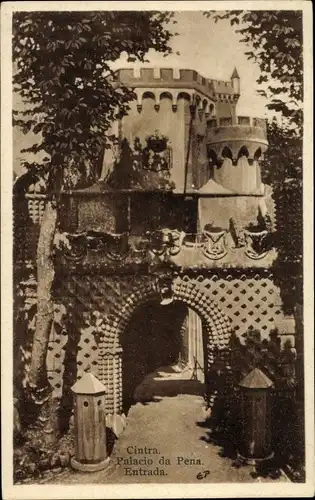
<point>235,151</point>
<point>180,104</point>
<point>236,82</point>
<point>196,227</point>
<point>206,138</point>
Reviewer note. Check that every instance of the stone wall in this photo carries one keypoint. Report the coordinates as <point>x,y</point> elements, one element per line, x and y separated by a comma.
<point>225,302</point>
<point>168,123</point>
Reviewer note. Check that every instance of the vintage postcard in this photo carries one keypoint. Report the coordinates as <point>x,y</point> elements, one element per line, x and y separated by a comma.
<point>157,258</point>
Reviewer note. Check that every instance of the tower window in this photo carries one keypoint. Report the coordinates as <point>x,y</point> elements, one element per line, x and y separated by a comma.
<point>227,153</point>
<point>257,154</point>
<point>243,152</point>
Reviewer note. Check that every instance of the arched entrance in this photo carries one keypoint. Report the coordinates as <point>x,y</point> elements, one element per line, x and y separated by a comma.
<point>216,330</point>
<point>167,338</point>
<point>151,340</point>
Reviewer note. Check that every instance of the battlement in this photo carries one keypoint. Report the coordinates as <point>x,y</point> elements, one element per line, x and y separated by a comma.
<point>240,121</point>
<point>228,136</point>
<point>175,78</point>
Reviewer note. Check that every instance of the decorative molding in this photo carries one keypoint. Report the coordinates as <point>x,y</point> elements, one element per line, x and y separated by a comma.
<point>256,244</point>
<point>173,95</point>
<point>115,246</point>
<point>157,73</point>
<point>215,246</point>
<point>226,300</point>
<point>166,241</point>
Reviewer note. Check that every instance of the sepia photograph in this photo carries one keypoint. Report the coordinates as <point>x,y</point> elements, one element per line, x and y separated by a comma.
<point>156,212</point>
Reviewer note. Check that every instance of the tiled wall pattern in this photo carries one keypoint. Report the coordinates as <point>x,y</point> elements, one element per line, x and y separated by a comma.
<point>224,303</point>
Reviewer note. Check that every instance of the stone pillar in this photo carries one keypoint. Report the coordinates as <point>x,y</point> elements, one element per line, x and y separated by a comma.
<point>189,144</point>
<point>110,374</point>
<point>195,342</point>
<point>90,432</point>
<point>233,112</point>
<point>184,342</point>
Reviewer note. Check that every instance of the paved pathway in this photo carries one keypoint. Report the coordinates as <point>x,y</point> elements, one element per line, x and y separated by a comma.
<point>163,436</point>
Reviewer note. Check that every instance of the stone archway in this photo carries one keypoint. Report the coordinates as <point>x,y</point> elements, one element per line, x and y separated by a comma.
<point>217,328</point>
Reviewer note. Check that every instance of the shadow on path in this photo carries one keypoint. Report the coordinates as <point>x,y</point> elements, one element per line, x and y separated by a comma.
<point>169,442</point>
<point>167,381</point>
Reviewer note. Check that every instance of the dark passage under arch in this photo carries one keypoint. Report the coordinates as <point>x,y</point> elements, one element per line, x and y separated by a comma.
<point>152,338</point>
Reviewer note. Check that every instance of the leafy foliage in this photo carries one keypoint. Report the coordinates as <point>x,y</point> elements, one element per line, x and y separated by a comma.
<point>283,169</point>
<point>132,170</point>
<point>265,354</point>
<point>275,42</point>
<point>63,74</point>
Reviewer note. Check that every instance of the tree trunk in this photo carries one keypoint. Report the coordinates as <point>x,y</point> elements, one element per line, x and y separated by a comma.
<point>38,381</point>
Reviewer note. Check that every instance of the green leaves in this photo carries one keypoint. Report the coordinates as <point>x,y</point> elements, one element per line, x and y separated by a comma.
<point>275,42</point>
<point>282,168</point>
<point>61,59</point>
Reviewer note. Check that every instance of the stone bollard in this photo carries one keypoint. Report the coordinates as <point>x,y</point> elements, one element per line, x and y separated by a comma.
<point>256,418</point>
<point>89,428</point>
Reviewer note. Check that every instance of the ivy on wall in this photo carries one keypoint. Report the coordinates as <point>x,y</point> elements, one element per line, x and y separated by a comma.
<point>276,361</point>
<point>282,168</point>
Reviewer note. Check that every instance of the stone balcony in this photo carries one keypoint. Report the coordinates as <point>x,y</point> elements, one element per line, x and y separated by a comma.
<point>173,78</point>
<point>243,131</point>
<point>92,251</point>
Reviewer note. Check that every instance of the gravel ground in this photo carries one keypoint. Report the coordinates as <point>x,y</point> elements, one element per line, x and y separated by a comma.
<point>162,433</point>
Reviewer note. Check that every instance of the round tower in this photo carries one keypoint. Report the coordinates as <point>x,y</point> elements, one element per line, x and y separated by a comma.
<point>234,152</point>
<point>236,82</point>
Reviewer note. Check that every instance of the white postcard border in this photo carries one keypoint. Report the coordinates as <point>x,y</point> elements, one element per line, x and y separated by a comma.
<point>110,491</point>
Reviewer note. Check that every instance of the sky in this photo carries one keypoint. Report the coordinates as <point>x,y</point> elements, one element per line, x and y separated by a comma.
<point>212,49</point>
<point>209,48</point>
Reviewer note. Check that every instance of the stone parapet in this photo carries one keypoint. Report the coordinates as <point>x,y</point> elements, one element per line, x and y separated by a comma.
<point>174,78</point>
<point>247,132</point>
<point>226,300</point>
<point>240,120</point>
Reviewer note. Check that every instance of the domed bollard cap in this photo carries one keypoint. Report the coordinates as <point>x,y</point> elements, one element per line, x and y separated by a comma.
<point>88,384</point>
<point>255,445</point>
<point>89,425</point>
<point>256,379</point>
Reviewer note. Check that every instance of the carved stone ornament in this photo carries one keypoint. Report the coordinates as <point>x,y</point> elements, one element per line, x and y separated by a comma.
<point>166,241</point>
<point>76,249</point>
<point>256,244</point>
<point>115,246</point>
<point>164,285</point>
<point>156,161</point>
<point>139,248</point>
<point>215,245</point>
<point>157,142</point>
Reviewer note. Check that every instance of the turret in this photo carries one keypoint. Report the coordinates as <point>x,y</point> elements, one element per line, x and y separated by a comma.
<point>234,150</point>
<point>236,82</point>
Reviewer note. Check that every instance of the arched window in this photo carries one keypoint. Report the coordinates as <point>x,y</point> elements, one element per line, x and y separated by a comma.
<point>227,153</point>
<point>212,162</point>
<point>148,95</point>
<point>166,95</point>
<point>184,95</point>
<point>198,100</point>
<point>257,154</point>
<point>243,152</point>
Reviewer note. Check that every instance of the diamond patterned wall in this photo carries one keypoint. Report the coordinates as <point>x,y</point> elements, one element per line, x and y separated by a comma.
<point>36,207</point>
<point>248,302</point>
<point>86,357</point>
<point>87,352</point>
<point>241,302</point>
<point>54,360</point>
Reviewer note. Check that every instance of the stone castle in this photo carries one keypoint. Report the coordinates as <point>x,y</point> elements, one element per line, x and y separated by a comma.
<point>168,267</point>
